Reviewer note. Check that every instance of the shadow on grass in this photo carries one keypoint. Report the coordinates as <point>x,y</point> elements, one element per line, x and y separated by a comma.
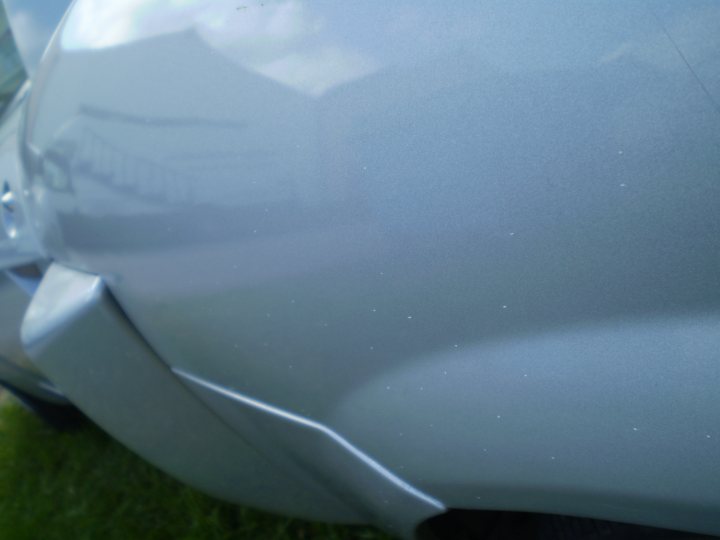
<point>84,485</point>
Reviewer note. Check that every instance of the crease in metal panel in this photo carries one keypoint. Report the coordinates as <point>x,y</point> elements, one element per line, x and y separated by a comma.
<point>75,332</point>
<point>388,500</point>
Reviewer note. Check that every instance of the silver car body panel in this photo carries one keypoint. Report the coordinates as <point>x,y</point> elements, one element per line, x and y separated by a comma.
<point>15,368</point>
<point>76,334</point>
<point>479,241</point>
<point>17,248</point>
<point>18,245</point>
<point>312,450</point>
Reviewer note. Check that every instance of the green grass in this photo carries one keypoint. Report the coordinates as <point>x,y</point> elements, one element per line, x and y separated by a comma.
<point>83,485</point>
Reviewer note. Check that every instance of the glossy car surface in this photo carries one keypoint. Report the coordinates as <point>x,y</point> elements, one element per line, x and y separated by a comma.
<point>368,261</point>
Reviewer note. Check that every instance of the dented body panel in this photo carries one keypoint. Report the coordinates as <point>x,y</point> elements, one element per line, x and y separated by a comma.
<point>477,242</point>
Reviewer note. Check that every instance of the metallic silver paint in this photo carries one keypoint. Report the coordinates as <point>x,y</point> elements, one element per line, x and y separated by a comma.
<point>307,449</point>
<point>480,241</point>
<point>76,334</point>
<point>15,368</point>
<point>17,247</point>
<point>17,241</point>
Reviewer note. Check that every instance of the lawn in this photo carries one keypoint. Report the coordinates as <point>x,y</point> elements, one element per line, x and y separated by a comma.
<point>83,485</point>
